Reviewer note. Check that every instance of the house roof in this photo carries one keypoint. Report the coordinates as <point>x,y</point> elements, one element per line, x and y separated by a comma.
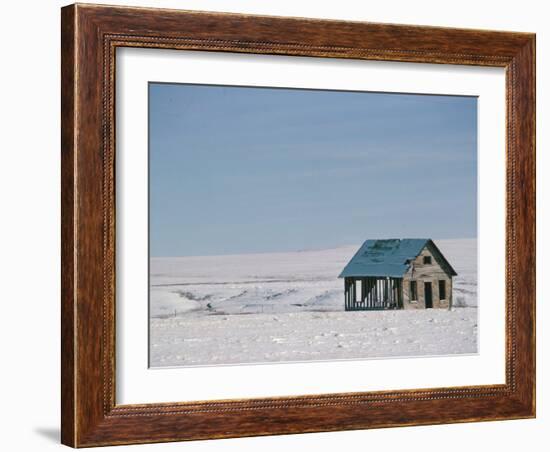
<point>390,257</point>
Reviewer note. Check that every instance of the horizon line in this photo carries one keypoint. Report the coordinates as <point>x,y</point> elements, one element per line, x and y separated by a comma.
<point>303,250</point>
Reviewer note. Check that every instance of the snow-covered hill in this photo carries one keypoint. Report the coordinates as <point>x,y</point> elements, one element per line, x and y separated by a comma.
<point>277,282</point>
<point>289,307</point>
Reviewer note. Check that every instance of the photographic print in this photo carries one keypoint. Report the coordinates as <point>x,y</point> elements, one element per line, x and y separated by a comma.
<point>291,225</point>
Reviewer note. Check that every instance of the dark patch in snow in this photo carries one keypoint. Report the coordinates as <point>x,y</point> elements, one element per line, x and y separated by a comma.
<point>321,297</point>
<point>239,295</point>
<point>193,297</point>
<point>280,294</point>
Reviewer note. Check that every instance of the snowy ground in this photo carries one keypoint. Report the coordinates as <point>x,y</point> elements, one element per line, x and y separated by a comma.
<point>289,307</point>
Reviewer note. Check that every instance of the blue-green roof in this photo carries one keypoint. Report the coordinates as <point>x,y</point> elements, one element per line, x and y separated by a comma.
<point>389,257</point>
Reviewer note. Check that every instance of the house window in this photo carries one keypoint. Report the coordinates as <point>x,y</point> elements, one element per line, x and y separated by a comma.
<point>427,260</point>
<point>442,292</point>
<point>414,296</point>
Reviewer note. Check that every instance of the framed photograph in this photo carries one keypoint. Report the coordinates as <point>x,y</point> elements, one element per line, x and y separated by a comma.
<point>280,225</point>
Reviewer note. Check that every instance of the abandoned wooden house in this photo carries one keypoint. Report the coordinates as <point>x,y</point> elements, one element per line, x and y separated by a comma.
<point>398,274</point>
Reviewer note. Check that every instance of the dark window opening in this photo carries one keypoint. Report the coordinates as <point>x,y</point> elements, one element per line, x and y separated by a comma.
<point>427,259</point>
<point>442,290</point>
<point>414,296</point>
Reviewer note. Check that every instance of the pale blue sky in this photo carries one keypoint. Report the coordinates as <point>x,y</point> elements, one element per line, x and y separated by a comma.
<point>247,170</point>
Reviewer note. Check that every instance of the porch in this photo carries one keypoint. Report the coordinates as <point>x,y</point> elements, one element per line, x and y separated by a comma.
<point>373,293</point>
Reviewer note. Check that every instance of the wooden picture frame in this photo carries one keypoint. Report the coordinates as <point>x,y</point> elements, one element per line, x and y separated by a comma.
<point>90,36</point>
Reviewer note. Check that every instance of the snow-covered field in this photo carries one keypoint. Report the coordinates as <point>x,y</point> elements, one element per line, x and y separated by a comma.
<point>289,307</point>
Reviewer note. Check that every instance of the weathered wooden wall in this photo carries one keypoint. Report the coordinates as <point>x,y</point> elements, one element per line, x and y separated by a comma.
<point>422,273</point>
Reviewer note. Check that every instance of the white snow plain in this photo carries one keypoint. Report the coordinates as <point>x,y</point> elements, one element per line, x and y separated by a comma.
<point>259,308</point>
